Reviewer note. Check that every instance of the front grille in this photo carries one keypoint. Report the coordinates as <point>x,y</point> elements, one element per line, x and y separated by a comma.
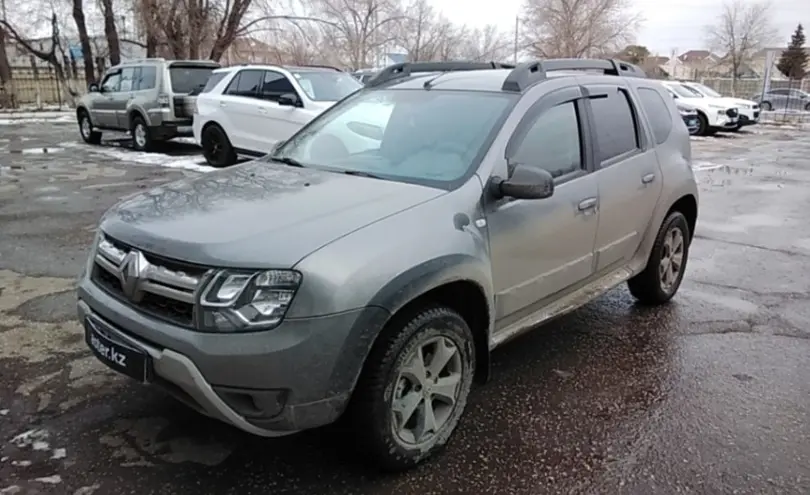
<point>732,112</point>
<point>156,286</point>
<point>756,114</point>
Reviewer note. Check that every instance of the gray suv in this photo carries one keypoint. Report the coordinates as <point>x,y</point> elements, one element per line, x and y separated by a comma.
<point>370,264</point>
<point>152,98</point>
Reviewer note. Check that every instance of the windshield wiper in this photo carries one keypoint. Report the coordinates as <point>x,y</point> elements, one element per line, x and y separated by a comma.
<point>360,173</point>
<point>287,161</point>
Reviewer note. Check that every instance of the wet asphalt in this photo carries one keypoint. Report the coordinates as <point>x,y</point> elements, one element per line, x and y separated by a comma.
<point>710,394</point>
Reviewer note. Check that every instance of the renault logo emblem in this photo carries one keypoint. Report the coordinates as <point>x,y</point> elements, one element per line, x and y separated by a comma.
<point>130,273</point>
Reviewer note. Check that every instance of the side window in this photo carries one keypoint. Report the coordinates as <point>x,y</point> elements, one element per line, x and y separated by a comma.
<point>658,113</point>
<point>552,142</point>
<point>127,77</point>
<point>147,77</point>
<point>779,92</point>
<point>275,85</point>
<point>615,124</point>
<point>136,79</point>
<point>111,82</point>
<point>246,83</point>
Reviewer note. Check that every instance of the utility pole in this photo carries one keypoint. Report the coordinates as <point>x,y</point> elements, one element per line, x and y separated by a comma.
<point>517,27</point>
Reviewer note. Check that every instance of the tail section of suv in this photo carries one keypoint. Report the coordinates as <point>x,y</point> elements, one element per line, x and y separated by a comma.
<point>152,99</point>
<point>369,264</point>
<point>249,109</point>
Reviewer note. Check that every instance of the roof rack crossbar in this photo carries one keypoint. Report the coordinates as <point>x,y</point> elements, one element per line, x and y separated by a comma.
<point>405,69</point>
<point>528,73</point>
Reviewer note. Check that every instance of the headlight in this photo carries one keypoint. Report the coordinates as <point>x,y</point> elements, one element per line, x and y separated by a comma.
<point>239,301</point>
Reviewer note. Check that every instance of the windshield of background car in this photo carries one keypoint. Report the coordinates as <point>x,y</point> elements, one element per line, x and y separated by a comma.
<point>708,91</point>
<point>186,78</point>
<point>327,86</point>
<point>683,91</point>
<point>433,138</point>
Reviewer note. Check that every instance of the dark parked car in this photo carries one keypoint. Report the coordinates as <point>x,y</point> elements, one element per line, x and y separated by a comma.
<point>791,99</point>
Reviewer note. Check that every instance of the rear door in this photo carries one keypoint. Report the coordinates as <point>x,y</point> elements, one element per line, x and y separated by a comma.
<point>241,116</point>
<point>125,94</point>
<point>627,172</point>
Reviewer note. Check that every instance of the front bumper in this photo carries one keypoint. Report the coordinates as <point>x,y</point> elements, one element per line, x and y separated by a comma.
<point>749,116</point>
<point>723,121</point>
<point>295,377</point>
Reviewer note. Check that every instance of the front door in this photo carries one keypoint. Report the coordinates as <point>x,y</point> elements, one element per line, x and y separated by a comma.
<point>125,94</point>
<point>104,103</point>
<point>279,122</point>
<point>541,247</point>
<point>628,173</point>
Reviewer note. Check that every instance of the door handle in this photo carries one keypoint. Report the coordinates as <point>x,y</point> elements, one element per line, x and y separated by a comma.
<point>587,204</point>
<point>648,178</point>
<point>262,110</point>
<point>223,104</point>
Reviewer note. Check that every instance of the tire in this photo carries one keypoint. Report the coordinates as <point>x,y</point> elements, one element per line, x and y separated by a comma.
<point>217,148</point>
<point>141,136</point>
<point>648,287</point>
<point>371,412</point>
<point>807,107</point>
<point>766,106</point>
<point>703,125</point>
<point>86,129</point>
<point>735,129</point>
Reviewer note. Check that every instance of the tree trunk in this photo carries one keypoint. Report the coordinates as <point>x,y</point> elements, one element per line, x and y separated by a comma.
<point>84,39</point>
<point>6,82</point>
<point>195,28</point>
<point>111,32</point>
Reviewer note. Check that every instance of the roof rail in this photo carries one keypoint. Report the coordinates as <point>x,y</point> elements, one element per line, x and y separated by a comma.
<point>405,69</point>
<point>141,60</point>
<point>316,66</point>
<point>528,73</point>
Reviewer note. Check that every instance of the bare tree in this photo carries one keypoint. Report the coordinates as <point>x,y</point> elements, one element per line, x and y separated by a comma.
<point>423,33</point>
<point>54,56</point>
<point>483,44</point>
<point>577,28</point>
<point>6,82</point>
<point>741,30</point>
<point>84,40</point>
<point>358,29</point>
<point>111,31</point>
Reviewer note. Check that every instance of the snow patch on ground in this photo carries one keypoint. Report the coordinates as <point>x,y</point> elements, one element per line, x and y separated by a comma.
<point>195,163</point>
<point>703,166</point>
<point>14,118</point>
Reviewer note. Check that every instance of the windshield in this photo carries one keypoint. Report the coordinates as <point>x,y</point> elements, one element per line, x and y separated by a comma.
<point>186,78</point>
<point>327,86</point>
<point>684,92</point>
<point>707,91</point>
<point>432,138</point>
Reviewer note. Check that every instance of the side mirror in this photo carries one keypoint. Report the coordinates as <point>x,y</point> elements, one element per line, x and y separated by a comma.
<point>93,88</point>
<point>525,183</point>
<point>289,100</point>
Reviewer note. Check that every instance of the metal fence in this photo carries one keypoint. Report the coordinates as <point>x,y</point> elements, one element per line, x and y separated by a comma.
<point>789,108</point>
<point>38,88</point>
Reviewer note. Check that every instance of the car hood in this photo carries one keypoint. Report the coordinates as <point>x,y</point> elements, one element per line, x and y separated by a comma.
<point>738,102</point>
<point>256,215</point>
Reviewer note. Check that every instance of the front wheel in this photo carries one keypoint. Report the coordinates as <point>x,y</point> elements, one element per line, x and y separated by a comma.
<point>89,135</point>
<point>414,387</point>
<point>217,148</point>
<point>703,125</point>
<point>662,277</point>
<point>766,106</point>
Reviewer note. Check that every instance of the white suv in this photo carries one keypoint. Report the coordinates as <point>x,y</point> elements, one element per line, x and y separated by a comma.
<point>714,114</point>
<point>749,110</point>
<point>248,109</point>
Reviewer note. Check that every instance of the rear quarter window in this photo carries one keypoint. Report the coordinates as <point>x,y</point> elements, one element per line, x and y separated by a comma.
<point>657,112</point>
<point>213,80</point>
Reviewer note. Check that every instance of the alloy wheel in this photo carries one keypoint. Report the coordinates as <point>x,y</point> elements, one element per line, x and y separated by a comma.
<point>671,263</point>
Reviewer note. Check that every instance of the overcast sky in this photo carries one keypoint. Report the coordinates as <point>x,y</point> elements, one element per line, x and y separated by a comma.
<point>669,25</point>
